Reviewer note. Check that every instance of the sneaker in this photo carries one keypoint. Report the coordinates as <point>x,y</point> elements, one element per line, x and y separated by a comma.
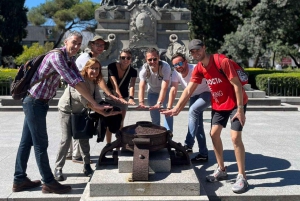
<point>188,149</point>
<point>240,184</point>
<point>58,175</point>
<point>87,170</point>
<point>26,184</point>
<point>200,158</point>
<point>218,175</point>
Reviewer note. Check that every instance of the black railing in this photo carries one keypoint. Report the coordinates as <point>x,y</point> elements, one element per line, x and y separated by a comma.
<point>5,87</point>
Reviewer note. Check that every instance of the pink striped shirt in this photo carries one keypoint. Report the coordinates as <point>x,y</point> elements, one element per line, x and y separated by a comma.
<point>52,62</point>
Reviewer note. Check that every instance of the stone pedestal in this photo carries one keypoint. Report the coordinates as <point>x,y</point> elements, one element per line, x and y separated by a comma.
<point>111,182</point>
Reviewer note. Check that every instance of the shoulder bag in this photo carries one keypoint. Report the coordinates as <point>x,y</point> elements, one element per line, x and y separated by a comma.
<point>83,124</point>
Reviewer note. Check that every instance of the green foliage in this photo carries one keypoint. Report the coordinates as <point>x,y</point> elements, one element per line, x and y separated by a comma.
<point>6,73</point>
<point>66,14</point>
<point>32,52</point>
<point>13,22</point>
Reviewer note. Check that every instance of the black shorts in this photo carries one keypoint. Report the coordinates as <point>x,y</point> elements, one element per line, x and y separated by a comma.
<point>221,118</point>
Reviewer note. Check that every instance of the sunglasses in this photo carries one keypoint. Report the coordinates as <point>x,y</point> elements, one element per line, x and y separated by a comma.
<point>152,59</point>
<point>123,58</point>
<point>179,64</point>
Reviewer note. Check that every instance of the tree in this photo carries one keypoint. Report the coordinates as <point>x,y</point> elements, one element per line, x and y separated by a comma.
<point>271,25</point>
<point>13,22</point>
<point>210,22</point>
<point>66,14</point>
<point>33,51</point>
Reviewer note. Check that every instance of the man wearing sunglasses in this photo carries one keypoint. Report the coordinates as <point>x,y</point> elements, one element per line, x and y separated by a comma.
<point>156,75</point>
<point>199,101</point>
<point>229,100</point>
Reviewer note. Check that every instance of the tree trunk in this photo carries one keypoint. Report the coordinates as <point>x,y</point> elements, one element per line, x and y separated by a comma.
<point>273,61</point>
<point>295,60</point>
<point>256,61</point>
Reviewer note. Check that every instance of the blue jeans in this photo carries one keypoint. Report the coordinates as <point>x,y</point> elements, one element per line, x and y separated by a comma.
<point>197,105</point>
<point>155,114</point>
<point>34,134</point>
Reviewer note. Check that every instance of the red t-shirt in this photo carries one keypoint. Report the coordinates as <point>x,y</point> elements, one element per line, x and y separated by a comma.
<point>222,91</point>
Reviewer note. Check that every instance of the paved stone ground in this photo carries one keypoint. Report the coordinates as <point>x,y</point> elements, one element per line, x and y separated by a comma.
<point>272,156</point>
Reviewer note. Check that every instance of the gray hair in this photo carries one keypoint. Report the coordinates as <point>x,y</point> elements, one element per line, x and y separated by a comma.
<point>73,33</point>
<point>151,50</point>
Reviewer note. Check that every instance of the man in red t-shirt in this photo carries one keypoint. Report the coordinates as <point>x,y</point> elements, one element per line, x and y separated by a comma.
<point>229,100</point>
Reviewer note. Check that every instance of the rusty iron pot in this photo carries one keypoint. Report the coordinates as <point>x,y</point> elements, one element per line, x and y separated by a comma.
<point>158,135</point>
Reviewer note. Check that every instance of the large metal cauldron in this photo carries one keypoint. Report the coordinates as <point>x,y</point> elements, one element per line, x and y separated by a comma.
<point>141,138</point>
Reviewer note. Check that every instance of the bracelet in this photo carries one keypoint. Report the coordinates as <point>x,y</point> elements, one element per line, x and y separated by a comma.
<point>169,108</point>
<point>141,102</point>
<point>131,97</point>
<point>240,106</point>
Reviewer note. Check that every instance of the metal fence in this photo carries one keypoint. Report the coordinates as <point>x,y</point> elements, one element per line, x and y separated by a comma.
<point>5,87</point>
<point>279,89</point>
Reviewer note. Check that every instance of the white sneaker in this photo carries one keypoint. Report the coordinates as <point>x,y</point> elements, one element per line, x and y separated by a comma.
<point>218,175</point>
<point>240,184</point>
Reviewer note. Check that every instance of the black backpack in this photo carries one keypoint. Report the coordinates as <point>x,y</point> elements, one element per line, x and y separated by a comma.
<point>21,83</point>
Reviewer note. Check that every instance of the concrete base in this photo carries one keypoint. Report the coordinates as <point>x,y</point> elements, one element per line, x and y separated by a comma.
<point>181,181</point>
<point>86,197</point>
<point>159,161</point>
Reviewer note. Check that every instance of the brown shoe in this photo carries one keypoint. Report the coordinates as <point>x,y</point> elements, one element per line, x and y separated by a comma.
<point>26,184</point>
<point>56,187</point>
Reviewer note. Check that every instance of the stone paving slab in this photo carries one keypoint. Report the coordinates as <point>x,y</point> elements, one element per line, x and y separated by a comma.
<point>272,156</point>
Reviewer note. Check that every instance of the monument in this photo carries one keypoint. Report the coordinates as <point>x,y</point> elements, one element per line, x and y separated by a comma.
<point>148,165</point>
<point>139,24</point>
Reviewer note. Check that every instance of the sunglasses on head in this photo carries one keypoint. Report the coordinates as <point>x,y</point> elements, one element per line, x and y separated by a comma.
<point>123,58</point>
<point>152,59</point>
<point>179,64</point>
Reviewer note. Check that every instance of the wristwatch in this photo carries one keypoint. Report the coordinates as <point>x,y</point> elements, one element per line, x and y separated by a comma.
<point>159,103</point>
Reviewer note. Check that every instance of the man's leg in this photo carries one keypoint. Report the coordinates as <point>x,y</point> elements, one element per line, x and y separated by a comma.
<point>215,134</point>
<point>239,151</point>
<point>168,120</point>
<point>155,114</point>
<point>76,150</point>
<point>195,127</point>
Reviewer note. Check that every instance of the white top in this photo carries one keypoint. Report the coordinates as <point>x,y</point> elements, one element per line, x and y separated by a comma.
<point>177,77</point>
<point>154,81</point>
<point>81,60</point>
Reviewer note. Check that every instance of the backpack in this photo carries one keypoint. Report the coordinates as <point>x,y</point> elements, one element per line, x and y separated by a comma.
<point>242,75</point>
<point>160,75</point>
<point>21,83</point>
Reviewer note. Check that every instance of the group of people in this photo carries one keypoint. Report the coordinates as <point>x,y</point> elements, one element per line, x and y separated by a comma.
<point>84,78</point>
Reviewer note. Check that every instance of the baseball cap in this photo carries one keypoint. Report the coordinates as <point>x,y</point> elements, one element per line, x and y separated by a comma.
<point>195,44</point>
<point>98,37</point>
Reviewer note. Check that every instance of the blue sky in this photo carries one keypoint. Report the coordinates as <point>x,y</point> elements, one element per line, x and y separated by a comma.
<point>35,3</point>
